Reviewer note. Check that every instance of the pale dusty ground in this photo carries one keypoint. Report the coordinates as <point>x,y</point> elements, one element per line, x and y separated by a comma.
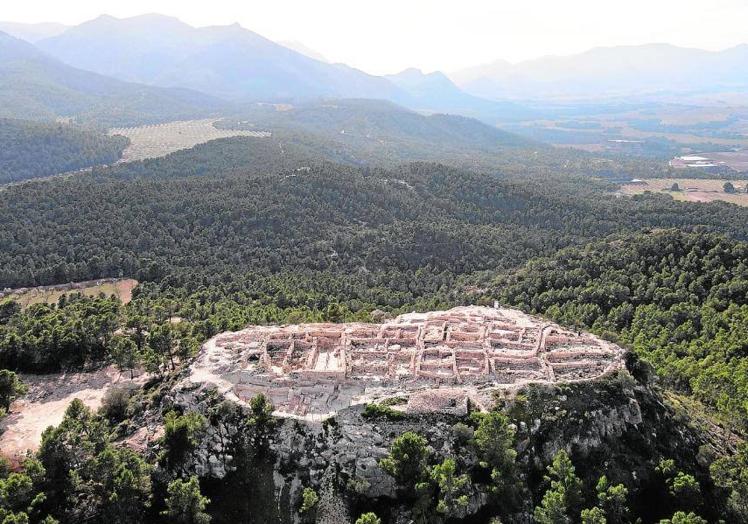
<point>692,190</point>
<point>121,288</point>
<point>162,139</point>
<point>45,403</point>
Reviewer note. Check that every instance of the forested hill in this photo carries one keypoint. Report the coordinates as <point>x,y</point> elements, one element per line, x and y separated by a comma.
<point>35,149</point>
<point>422,218</point>
<point>376,132</point>
<point>373,121</point>
<point>679,300</point>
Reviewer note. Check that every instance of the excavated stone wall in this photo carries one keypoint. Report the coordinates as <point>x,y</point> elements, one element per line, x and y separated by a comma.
<point>439,361</point>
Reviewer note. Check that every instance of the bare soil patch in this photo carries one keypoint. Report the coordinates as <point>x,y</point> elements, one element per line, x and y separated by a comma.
<point>45,404</point>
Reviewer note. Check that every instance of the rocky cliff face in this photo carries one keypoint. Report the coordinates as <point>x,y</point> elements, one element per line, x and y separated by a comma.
<point>338,458</point>
<point>617,425</point>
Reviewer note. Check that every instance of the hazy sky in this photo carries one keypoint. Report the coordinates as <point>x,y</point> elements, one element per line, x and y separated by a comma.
<point>386,36</point>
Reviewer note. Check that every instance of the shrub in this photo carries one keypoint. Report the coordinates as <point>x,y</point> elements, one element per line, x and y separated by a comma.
<point>368,518</point>
<point>185,504</point>
<point>382,411</point>
<point>181,433</point>
<point>115,403</point>
<point>407,459</point>
<point>309,499</point>
<point>11,387</point>
<point>494,439</point>
<point>462,433</point>
<point>681,517</point>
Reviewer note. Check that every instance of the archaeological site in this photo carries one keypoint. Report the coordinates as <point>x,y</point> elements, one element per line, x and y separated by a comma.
<point>436,361</point>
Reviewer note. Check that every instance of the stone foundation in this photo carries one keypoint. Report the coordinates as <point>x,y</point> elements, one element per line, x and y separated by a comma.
<point>313,370</point>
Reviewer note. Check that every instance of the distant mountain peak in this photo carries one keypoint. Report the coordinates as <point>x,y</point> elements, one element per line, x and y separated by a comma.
<point>416,73</point>
<point>415,79</point>
<point>13,49</point>
<point>228,61</point>
<point>410,71</point>
<point>436,92</point>
<point>145,22</point>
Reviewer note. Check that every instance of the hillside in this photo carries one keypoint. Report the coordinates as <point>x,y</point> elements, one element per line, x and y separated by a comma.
<point>376,129</point>
<point>35,86</point>
<point>679,300</point>
<point>34,149</point>
<point>377,132</point>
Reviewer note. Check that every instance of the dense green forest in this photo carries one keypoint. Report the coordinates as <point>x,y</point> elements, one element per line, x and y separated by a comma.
<point>679,300</point>
<point>176,220</point>
<point>34,149</point>
<point>355,211</point>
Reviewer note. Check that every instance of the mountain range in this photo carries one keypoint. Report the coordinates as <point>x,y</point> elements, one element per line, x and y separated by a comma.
<point>611,71</point>
<point>238,65</point>
<point>231,64</point>
<point>225,61</point>
<point>34,85</point>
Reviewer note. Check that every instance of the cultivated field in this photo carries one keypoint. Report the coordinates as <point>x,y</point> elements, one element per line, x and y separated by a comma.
<point>121,288</point>
<point>161,139</point>
<point>692,190</point>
